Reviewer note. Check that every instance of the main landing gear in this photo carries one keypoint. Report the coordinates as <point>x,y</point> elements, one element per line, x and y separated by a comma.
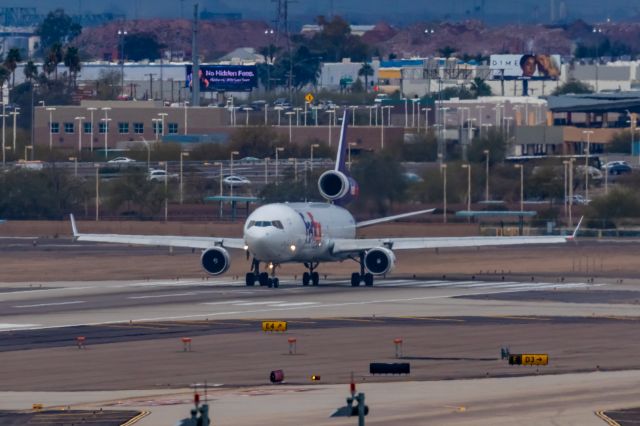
<point>261,277</point>
<point>357,278</point>
<point>311,276</point>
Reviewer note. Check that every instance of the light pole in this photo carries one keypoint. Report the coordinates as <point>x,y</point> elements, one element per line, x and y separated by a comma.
<point>353,114</point>
<point>486,187</point>
<point>106,120</point>
<point>426,119</point>
<point>186,103</point>
<point>586,164</point>
<point>388,108</point>
<point>468,167</point>
<point>565,164</point>
<point>413,112</point>
<point>75,165</point>
<point>406,112</point>
<point>146,144</point>
<point>314,145</point>
<point>50,109</point>
<point>479,108</point>
<point>521,167</point>
<point>246,110</point>
<point>349,151</point>
<point>443,168</point>
<point>289,114</point>
<point>26,148</point>
<point>182,155</point>
<point>266,114</point>
<point>571,192</point>
<point>219,163</point>
<point>279,109</point>
<point>97,166</point>
<point>156,127</point>
<point>121,35</point>
<point>278,149</point>
<point>231,169</point>
<point>297,113</point>
<point>91,110</point>
<point>331,111</point>
<point>162,117</point>
<point>166,191</point>
<point>15,113</point>
<point>80,133</point>
<point>266,170</point>
<point>3,138</point>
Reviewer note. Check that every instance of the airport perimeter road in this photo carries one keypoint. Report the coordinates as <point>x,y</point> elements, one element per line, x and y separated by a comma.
<point>67,304</point>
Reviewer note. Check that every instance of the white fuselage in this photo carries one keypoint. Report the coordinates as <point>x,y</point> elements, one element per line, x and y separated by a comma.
<point>297,232</point>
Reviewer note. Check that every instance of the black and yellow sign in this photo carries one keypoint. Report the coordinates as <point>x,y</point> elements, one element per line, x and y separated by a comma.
<point>309,97</point>
<point>529,359</point>
<point>37,407</point>
<point>315,378</point>
<point>274,326</point>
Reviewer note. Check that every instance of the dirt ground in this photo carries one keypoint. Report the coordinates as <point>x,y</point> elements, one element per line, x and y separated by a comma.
<point>54,257</point>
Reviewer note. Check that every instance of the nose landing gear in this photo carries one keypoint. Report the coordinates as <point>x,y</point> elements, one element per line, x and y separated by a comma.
<point>261,277</point>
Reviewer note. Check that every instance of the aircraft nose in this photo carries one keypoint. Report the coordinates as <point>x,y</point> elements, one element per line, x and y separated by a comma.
<point>265,244</point>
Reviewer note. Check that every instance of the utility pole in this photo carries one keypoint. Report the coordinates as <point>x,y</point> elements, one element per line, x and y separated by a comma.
<point>151,74</point>
<point>195,69</point>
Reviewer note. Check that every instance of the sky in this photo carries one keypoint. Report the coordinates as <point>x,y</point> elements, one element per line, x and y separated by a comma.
<point>357,11</point>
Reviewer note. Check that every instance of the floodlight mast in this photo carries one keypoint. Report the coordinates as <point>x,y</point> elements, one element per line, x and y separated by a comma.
<point>195,69</point>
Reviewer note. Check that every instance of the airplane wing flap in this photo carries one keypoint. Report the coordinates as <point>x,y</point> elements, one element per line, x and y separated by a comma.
<point>164,240</point>
<point>355,245</point>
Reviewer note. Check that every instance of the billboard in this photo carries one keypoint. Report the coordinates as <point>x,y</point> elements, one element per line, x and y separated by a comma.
<point>225,78</point>
<point>534,67</point>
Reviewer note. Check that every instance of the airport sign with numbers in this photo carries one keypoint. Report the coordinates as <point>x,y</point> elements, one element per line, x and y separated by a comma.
<point>528,359</point>
<point>274,326</point>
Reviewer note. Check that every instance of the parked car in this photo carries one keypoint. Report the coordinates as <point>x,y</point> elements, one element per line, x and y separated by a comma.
<point>236,181</point>
<point>122,160</point>
<point>578,199</point>
<point>614,163</point>
<point>594,173</point>
<point>412,177</point>
<point>160,175</point>
<point>620,167</point>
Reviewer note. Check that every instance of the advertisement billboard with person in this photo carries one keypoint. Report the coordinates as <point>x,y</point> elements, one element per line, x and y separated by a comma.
<point>534,67</point>
<point>224,78</point>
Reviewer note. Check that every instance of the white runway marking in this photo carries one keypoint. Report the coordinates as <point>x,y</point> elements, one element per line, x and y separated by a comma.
<point>278,305</point>
<point>271,302</point>
<point>9,326</point>
<point>226,302</point>
<point>156,296</point>
<point>51,304</point>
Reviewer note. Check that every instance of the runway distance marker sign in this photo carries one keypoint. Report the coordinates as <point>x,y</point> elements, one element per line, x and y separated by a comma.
<point>280,326</point>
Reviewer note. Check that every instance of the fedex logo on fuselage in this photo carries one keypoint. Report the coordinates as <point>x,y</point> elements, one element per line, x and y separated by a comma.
<point>313,229</point>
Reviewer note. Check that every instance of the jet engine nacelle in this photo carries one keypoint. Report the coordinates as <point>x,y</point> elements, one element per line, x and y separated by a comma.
<point>379,261</point>
<point>215,260</point>
<point>337,186</point>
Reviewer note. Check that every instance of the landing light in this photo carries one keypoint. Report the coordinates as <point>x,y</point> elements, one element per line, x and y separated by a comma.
<point>271,266</point>
<point>246,247</point>
<point>292,247</point>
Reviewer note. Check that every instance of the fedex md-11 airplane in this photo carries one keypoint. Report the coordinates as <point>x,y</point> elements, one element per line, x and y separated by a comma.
<point>312,233</point>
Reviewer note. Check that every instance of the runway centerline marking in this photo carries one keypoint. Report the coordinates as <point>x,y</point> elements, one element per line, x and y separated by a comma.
<point>39,305</point>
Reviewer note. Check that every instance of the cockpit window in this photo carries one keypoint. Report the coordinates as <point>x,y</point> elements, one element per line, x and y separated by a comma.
<point>265,223</point>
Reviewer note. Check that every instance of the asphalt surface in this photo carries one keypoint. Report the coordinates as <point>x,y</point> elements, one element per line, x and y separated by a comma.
<point>66,417</point>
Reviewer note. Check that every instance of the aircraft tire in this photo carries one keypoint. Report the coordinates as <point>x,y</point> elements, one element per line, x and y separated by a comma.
<point>315,278</point>
<point>276,283</point>
<point>368,280</point>
<point>306,277</point>
<point>250,279</point>
<point>355,279</point>
<point>263,278</point>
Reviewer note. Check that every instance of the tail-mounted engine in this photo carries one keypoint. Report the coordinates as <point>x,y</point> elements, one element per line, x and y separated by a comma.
<point>337,186</point>
<point>215,260</point>
<point>379,260</point>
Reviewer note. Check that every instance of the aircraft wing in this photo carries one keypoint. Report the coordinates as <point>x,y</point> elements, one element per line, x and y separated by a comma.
<point>357,245</point>
<point>391,218</point>
<point>159,240</point>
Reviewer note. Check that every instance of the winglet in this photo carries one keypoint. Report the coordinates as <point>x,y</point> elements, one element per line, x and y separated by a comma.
<point>74,228</point>
<point>575,231</point>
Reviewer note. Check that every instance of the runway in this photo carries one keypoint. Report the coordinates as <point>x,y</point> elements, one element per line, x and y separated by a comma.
<point>64,304</point>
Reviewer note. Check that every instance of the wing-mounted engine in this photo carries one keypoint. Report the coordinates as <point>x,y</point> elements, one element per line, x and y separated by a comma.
<point>336,186</point>
<point>379,260</point>
<point>215,260</point>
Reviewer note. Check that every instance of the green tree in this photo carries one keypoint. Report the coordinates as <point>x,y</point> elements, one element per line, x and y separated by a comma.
<point>72,61</point>
<point>5,74</point>
<point>54,57</point>
<point>108,85</point>
<point>366,71</point>
<point>447,51</point>
<point>620,142</point>
<point>255,142</point>
<point>492,140</point>
<point>480,88</point>
<point>57,28</point>
<point>30,71</point>
<point>140,46</point>
<point>335,41</point>
<point>133,193</point>
<point>11,62</point>
<point>572,86</point>
<point>620,203</point>
<point>381,181</point>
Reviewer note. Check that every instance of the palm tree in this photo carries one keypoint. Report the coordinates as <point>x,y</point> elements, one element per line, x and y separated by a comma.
<point>4,75</point>
<point>11,62</point>
<point>365,71</point>
<point>480,88</point>
<point>30,71</point>
<point>54,57</point>
<point>72,61</point>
